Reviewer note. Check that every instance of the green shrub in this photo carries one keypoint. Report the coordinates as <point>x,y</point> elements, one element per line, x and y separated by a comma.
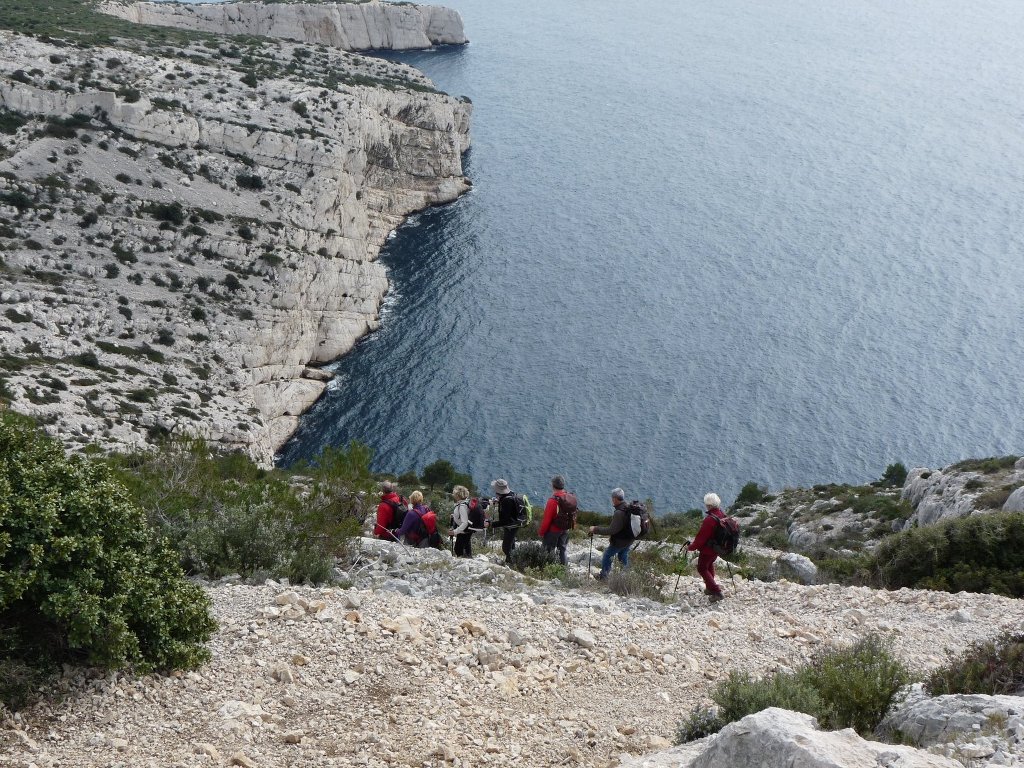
<point>226,515</point>
<point>639,580</point>
<point>895,475</point>
<point>740,695</point>
<point>991,667</point>
<point>981,553</point>
<point>857,684</point>
<point>751,493</point>
<point>531,555</point>
<point>847,688</point>
<point>82,577</point>
<point>442,473</point>
<point>701,722</point>
<point>986,466</point>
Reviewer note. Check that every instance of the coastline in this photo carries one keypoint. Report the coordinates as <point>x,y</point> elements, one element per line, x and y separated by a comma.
<point>245,230</point>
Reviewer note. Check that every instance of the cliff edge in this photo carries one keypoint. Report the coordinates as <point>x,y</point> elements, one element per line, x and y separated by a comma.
<point>352,26</point>
<point>186,229</point>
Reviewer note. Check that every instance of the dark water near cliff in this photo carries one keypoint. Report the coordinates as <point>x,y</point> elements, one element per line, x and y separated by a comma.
<point>710,242</point>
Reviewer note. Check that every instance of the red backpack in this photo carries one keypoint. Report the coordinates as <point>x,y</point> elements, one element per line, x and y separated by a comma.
<point>565,517</point>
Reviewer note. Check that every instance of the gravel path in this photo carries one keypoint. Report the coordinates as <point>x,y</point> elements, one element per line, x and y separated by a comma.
<point>476,666</point>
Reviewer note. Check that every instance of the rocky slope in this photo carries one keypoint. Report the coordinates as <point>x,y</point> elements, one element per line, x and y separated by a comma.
<point>426,661</point>
<point>844,518</point>
<point>186,230</point>
<point>350,26</point>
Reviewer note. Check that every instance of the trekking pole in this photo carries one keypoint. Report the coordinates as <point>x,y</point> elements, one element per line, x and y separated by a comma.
<point>686,560</point>
<point>731,576</point>
<point>392,535</point>
<point>590,555</point>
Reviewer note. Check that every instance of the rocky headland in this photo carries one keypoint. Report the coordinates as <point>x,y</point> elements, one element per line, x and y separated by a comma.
<point>189,224</point>
<point>350,26</point>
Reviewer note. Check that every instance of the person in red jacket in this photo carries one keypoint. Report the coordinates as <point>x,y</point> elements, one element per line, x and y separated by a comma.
<point>389,503</point>
<point>702,543</point>
<point>554,535</point>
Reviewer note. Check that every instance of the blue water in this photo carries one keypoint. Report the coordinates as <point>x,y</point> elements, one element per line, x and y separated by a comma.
<point>709,242</point>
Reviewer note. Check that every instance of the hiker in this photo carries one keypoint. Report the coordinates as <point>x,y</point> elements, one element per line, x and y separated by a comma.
<point>420,525</point>
<point>619,533</point>
<point>390,512</point>
<point>461,529</point>
<point>702,543</point>
<point>559,519</point>
<point>510,516</point>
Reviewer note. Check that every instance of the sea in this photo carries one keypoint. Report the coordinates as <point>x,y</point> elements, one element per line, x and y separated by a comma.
<point>708,242</point>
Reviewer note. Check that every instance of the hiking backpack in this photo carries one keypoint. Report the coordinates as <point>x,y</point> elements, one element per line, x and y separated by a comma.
<point>477,516</point>
<point>639,519</point>
<point>427,529</point>
<point>523,512</point>
<point>726,536</point>
<point>399,510</point>
<point>565,517</point>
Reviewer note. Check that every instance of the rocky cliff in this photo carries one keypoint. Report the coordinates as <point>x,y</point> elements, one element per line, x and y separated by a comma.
<point>185,230</point>
<point>351,26</point>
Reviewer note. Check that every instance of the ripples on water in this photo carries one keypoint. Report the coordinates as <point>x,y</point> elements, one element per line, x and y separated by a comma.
<point>709,242</point>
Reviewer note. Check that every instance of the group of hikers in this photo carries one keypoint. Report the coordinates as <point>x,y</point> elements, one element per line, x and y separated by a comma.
<point>413,523</point>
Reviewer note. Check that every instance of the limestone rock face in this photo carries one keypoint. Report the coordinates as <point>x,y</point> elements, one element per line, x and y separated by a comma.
<point>780,737</point>
<point>947,494</point>
<point>795,567</point>
<point>925,720</point>
<point>184,257</point>
<point>348,26</point>
<point>1015,503</point>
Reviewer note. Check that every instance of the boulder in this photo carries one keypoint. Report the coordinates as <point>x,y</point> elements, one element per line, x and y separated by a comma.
<point>795,567</point>
<point>927,720</point>
<point>780,737</point>
<point>1016,501</point>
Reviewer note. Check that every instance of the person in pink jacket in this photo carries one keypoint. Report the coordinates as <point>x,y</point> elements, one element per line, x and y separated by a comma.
<point>702,543</point>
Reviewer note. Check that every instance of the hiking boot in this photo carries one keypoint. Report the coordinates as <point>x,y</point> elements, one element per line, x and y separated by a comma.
<point>601,576</point>
<point>716,596</point>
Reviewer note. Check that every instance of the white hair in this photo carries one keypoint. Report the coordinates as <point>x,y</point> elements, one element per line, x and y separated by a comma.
<point>712,500</point>
<point>618,493</point>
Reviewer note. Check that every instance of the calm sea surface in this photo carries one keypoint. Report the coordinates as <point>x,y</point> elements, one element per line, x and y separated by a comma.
<point>709,242</point>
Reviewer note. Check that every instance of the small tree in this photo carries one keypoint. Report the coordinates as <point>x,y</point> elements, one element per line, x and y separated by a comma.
<point>441,472</point>
<point>895,475</point>
<point>82,578</point>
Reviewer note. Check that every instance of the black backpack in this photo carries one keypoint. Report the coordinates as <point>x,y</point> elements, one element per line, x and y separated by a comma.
<point>639,519</point>
<point>520,510</point>
<point>726,537</point>
<point>565,517</point>
<point>399,509</point>
<point>477,515</point>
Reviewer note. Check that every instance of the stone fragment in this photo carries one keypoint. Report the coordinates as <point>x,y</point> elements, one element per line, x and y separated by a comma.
<point>240,759</point>
<point>293,737</point>
<point>582,638</point>
<point>205,748</point>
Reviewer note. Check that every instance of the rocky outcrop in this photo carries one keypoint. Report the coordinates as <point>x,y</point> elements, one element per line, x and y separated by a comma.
<point>350,26</point>
<point>778,737</point>
<point>182,240</point>
<point>969,488</point>
<point>966,727</point>
<point>794,567</point>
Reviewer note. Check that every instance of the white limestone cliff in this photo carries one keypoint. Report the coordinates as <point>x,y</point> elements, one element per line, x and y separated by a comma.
<point>351,26</point>
<point>124,316</point>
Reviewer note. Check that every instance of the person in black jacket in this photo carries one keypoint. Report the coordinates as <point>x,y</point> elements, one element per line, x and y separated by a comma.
<point>619,533</point>
<point>508,517</point>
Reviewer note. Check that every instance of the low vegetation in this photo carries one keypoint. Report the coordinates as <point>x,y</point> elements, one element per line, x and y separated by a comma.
<point>981,553</point>
<point>846,688</point>
<point>83,578</point>
<point>991,667</point>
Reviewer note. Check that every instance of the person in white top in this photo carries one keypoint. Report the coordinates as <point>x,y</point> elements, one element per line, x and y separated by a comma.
<point>460,522</point>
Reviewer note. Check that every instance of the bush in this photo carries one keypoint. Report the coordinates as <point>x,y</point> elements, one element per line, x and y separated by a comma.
<point>531,555</point>
<point>982,553</point>
<point>857,684</point>
<point>751,493</point>
<point>895,475</point>
<point>992,667</point>
<point>226,515</point>
<point>639,580</point>
<point>249,181</point>
<point>443,473</point>
<point>848,688</point>
<point>986,466</point>
<point>82,578</point>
